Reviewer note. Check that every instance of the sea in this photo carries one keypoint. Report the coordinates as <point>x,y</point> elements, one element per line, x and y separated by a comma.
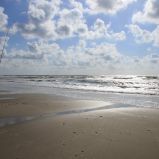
<point>140,91</point>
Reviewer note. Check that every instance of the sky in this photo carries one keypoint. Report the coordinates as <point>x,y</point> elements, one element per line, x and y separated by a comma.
<point>80,36</point>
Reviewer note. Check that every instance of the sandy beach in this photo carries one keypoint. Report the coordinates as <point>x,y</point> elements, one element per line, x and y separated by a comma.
<point>79,79</point>
<point>60,130</point>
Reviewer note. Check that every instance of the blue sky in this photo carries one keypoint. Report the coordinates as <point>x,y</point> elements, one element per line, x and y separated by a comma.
<point>80,36</point>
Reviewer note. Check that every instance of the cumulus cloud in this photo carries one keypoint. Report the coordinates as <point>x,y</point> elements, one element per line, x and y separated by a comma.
<point>79,55</point>
<point>145,36</point>
<point>107,6</point>
<point>71,22</point>
<point>51,21</point>
<point>3,20</point>
<point>45,57</point>
<point>96,55</point>
<point>23,55</point>
<point>105,51</point>
<point>149,64</point>
<point>102,30</point>
<point>76,4</point>
<point>45,22</point>
<point>40,19</point>
<point>38,52</point>
<point>151,59</point>
<point>150,13</point>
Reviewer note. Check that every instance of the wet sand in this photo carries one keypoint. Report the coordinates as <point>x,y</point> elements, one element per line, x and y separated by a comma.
<point>66,128</point>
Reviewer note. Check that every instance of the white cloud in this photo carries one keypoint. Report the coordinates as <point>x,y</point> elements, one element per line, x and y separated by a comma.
<point>43,57</point>
<point>76,4</point>
<point>102,30</point>
<point>50,20</point>
<point>71,22</point>
<point>67,24</point>
<point>145,36</point>
<point>79,55</point>
<point>150,13</point>
<point>96,55</point>
<point>3,20</point>
<point>151,59</point>
<point>40,14</point>
<point>107,6</point>
<point>43,24</point>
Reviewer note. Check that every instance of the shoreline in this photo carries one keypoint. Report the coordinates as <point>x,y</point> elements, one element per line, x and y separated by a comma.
<point>118,132</point>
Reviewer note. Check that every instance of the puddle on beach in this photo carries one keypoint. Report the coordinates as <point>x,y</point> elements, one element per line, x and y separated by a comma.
<point>6,121</point>
<point>6,98</point>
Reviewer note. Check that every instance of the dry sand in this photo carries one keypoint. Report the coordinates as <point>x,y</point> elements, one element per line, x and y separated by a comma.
<point>117,133</point>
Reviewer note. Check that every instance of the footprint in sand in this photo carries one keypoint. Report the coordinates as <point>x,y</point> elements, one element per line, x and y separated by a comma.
<point>63,123</point>
<point>75,132</point>
<point>63,144</point>
<point>76,155</point>
<point>148,130</point>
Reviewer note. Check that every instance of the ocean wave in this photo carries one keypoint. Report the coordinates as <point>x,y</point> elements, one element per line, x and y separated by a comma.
<point>115,84</point>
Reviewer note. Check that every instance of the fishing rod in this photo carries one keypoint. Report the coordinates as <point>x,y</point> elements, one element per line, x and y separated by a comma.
<point>5,40</point>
